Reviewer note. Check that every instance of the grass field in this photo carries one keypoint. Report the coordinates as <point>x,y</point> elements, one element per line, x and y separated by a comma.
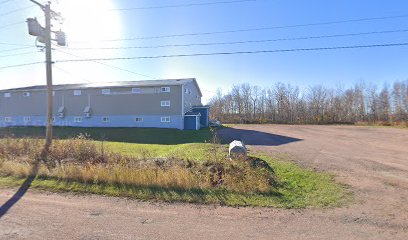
<point>128,135</point>
<point>296,187</point>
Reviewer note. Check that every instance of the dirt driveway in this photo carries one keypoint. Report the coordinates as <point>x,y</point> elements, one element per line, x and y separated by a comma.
<point>372,161</point>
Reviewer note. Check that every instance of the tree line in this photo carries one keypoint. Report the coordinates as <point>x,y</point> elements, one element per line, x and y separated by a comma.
<point>284,103</point>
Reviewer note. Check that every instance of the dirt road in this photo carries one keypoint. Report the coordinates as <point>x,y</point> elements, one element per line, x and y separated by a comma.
<point>372,161</point>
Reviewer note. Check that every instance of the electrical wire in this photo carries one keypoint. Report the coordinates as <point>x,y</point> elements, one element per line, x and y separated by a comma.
<point>251,29</point>
<point>15,10</point>
<point>239,52</point>
<point>16,23</point>
<point>16,44</point>
<point>244,42</point>
<point>5,1</point>
<point>20,65</point>
<point>18,54</point>
<point>12,24</point>
<point>105,64</point>
<point>71,74</point>
<point>181,5</point>
<point>15,49</point>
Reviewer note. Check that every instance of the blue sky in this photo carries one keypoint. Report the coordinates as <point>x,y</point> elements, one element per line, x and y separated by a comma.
<point>89,21</point>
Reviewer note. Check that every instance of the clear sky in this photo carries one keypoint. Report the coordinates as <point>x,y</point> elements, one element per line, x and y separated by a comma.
<point>87,22</point>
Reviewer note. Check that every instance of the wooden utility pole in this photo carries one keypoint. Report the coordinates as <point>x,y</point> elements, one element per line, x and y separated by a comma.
<point>44,36</point>
<point>48,61</point>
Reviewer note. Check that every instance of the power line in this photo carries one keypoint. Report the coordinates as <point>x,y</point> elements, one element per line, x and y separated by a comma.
<point>12,24</point>
<point>71,74</point>
<point>181,5</point>
<point>252,29</point>
<point>19,65</point>
<point>105,64</point>
<point>5,1</point>
<point>18,54</point>
<point>245,41</point>
<point>239,52</point>
<point>16,23</point>
<point>15,44</point>
<point>15,49</point>
<point>15,10</point>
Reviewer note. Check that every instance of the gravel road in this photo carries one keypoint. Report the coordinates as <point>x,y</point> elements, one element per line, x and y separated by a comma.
<point>372,161</point>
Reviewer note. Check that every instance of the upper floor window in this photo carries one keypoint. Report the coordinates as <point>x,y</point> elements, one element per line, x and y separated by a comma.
<point>185,90</point>
<point>7,94</point>
<point>106,91</point>
<point>77,92</point>
<point>165,103</point>
<point>165,89</point>
<point>26,94</point>
<point>136,90</point>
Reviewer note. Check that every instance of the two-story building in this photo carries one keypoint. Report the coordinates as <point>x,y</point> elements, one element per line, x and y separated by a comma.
<point>174,103</point>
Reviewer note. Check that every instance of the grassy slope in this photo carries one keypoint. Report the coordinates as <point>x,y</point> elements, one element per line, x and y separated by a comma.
<point>298,188</point>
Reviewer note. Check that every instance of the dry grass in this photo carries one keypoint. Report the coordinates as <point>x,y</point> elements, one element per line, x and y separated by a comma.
<point>82,160</point>
<point>397,124</point>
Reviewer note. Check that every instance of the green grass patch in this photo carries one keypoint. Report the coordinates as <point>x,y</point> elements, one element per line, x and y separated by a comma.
<point>130,135</point>
<point>196,151</point>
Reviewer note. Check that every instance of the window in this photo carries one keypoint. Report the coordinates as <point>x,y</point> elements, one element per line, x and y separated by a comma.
<point>185,90</point>
<point>53,119</point>
<point>27,119</point>
<point>165,103</point>
<point>136,90</point>
<point>7,94</point>
<point>53,93</point>
<point>77,119</point>
<point>26,94</point>
<point>7,119</point>
<point>77,92</point>
<point>165,89</point>
<point>105,91</point>
<point>105,119</point>
<point>138,119</point>
<point>165,119</point>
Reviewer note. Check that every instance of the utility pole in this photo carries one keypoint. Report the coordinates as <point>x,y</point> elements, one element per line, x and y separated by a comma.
<point>48,59</point>
<point>44,36</point>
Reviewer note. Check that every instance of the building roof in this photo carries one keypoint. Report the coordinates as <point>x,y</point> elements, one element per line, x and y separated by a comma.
<point>144,83</point>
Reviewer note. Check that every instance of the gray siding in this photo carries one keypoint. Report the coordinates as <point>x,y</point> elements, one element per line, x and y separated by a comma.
<point>192,97</point>
<point>121,106</point>
<point>121,101</point>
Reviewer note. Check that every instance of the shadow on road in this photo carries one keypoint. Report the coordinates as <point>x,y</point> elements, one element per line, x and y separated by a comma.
<point>21,191</point>
<point>253,137</point>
